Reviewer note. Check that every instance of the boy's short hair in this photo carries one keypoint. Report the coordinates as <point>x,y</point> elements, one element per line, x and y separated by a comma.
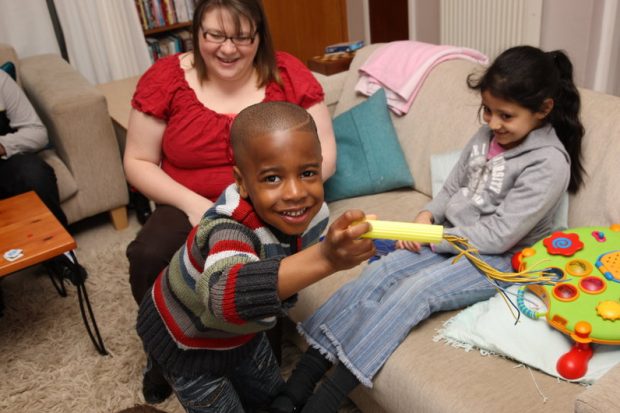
<point>268,117</point>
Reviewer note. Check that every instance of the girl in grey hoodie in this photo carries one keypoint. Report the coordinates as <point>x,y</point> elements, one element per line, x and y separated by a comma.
<point>502,195</point>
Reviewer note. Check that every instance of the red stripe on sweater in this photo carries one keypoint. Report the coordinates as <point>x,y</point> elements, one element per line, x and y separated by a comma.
<point>229,309</point>
<point>232,246</point>
<point>244,213</point>
<point>177,332</point>
<point>188,247</point>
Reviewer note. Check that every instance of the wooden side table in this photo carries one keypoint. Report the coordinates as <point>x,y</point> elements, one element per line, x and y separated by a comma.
<point>28,225</point>
<point>332,63</point>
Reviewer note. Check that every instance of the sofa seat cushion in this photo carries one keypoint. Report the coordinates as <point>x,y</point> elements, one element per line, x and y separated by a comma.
<point>67,187</point>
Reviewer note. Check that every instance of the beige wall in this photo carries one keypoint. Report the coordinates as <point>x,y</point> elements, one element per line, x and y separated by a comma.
<point>571,25</point>
<point>588,30</point>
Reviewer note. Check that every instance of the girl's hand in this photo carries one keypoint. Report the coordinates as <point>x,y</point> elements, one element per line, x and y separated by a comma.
<point>423,217</point>
<point>342,246</point>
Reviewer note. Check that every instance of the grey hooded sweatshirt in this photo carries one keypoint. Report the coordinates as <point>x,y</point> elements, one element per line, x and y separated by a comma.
<point>505,203</point>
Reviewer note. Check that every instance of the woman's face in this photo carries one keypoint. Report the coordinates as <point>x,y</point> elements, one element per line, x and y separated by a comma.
<point>233,58</point>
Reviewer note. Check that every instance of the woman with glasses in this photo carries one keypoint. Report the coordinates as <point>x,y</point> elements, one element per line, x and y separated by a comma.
<point>178,147</point>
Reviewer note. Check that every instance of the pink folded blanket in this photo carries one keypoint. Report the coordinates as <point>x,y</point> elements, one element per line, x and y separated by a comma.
<point>401,67</point>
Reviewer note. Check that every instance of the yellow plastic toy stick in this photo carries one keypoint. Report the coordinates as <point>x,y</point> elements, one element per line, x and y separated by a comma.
<point>404,231</point>
<point>409,231</point>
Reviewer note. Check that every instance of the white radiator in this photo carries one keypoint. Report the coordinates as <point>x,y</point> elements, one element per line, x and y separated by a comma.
<point>490,26</point>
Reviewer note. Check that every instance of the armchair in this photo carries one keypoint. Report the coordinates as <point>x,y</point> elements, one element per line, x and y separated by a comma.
<point>84,151</point>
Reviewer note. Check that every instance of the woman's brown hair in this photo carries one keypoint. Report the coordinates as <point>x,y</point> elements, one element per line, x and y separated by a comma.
<point>253,11</point>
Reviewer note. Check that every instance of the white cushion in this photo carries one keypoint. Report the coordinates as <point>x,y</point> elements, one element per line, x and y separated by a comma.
<point>490,327</point>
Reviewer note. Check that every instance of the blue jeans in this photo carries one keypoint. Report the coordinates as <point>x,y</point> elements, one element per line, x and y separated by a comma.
<point>251,385</point>
<point>364,321</point>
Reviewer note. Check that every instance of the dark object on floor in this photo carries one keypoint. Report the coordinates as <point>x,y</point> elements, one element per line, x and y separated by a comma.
<point>141,408</point>
<point>155,388</point>
<point>141,205</point>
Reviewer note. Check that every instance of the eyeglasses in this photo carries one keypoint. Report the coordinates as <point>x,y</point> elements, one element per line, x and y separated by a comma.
<point>219,38</point>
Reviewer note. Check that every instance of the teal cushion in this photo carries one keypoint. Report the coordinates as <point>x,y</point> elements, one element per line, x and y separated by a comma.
<point>370,159</point>
<point>9,67</point>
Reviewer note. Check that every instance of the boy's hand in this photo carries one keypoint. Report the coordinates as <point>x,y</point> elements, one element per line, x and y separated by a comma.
<point>342,246</point>
<point>423,217</point>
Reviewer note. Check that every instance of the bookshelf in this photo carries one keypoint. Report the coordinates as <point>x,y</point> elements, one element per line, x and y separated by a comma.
<point>166,25</point>
<point>167,28</point>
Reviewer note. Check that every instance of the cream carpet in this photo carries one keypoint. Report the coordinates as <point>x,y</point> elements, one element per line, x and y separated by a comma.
<point>49,363</point>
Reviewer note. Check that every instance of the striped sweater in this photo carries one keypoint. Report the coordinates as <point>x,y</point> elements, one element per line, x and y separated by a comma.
<point>220,289</point>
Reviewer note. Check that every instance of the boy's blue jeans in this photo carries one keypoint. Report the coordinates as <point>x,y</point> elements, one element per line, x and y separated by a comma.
<point>251,385</point>
<point>364,321</point>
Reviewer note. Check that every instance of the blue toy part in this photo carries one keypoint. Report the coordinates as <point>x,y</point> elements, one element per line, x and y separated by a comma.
<point>383,247</point>
<point>524,309</point>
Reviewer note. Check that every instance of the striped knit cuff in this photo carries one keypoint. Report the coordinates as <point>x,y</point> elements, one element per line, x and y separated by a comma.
<point>257,290</point>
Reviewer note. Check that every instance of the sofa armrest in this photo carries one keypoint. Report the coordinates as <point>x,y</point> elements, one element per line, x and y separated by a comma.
<point>80,129</point>
<point>601,397</point>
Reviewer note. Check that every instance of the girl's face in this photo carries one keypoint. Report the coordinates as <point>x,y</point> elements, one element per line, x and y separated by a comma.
<point>228,55</point>
<point>511,122</point>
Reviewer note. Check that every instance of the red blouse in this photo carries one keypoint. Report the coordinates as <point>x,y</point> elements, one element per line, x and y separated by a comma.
<point>196,142</point>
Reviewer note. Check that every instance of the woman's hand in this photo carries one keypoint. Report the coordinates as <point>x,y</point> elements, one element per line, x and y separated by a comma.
<point>423,217</point>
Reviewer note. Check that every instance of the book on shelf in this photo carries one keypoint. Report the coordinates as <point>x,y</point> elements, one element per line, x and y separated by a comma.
<point>180,6</point>
<point>161,13</point>
<point>344,47</point>
<point>172,43</point>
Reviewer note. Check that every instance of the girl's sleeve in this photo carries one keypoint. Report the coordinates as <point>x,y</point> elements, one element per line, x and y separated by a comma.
<point>300,86</point>
<point>154,89</point>
<point>233,282</point>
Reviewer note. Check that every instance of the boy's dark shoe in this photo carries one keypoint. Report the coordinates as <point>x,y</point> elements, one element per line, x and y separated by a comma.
<point>155,388</point>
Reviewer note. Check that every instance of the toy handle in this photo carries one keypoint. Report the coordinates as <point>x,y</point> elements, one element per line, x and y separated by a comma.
<point>404,231</point>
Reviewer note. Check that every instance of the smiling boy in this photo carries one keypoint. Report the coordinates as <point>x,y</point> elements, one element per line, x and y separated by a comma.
<point>204,322</point>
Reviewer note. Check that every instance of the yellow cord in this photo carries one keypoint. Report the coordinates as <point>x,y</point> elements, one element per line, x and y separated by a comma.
<point>466,250</point>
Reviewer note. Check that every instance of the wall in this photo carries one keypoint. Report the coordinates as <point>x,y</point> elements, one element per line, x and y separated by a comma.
<point>588,30</point>
<point>568,25</point>
<point>26,25</point>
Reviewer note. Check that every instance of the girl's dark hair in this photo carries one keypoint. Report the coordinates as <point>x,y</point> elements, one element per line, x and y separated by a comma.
<point>254,13</point>
<point>527,76</point>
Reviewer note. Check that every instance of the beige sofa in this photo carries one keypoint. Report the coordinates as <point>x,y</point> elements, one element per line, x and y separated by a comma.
<point>427,376</point>
<point>85,154</point>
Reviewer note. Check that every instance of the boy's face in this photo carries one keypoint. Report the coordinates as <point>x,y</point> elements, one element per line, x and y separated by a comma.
<point>280,172</point>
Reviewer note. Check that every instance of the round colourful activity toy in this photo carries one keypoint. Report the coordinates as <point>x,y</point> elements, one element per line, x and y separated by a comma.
<point>585,302</point>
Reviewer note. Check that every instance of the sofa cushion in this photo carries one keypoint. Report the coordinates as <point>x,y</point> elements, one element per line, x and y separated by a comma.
<point>370,159</point>
<point>67,187</point>
<point>441,166</point>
